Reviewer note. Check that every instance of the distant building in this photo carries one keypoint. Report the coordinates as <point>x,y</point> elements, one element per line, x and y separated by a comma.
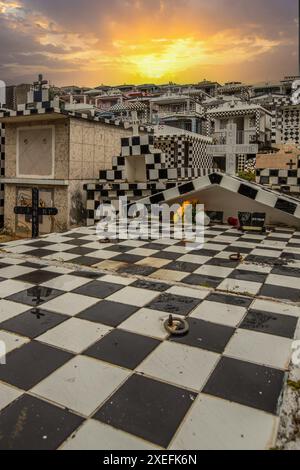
<point>16,95</point>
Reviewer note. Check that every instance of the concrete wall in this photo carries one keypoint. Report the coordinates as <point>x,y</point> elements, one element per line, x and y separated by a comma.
<point>82,149</point>
<point>92,146</point>
<point>61,130</point>
<point>60,222</point>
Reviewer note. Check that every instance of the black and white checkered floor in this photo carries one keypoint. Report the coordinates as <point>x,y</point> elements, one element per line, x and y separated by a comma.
<point>93,367</point>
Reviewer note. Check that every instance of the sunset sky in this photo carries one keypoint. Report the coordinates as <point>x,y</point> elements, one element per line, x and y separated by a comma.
<point>140,41</point>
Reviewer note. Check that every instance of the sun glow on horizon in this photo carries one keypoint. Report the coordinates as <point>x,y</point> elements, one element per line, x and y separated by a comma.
<point>128,41</point>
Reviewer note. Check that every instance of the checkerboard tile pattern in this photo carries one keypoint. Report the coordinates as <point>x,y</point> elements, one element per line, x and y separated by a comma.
<point>105,366</point>
<point>270,265</point>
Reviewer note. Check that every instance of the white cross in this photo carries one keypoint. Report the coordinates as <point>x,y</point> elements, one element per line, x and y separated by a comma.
<point>231,149</point>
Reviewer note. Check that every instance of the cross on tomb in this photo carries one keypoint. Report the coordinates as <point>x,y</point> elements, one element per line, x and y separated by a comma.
<point>38,88</point>
<point>35,211</point>
<point>231,149</point>
<point>291,164</point>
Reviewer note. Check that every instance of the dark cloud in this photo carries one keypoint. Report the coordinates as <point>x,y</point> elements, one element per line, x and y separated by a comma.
<point>77,26</point>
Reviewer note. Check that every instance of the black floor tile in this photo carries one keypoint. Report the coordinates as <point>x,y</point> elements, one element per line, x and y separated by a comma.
<point>28,365</point>
<point>98,289</point>
<point>286,271</point>
<point>270,323</point>
<point>167,255</point>
<point>248,384</point>
<point>125,258</point>
<point>204,281</point>
<point>4,265</point>
<point>28,297</point>
<point>146,408</point>
<point>230,299</point>
<point>40,243</point>
<point>30,264</point>
<point>205,335</point>
<point>182,267</point>
<point>80,251</point>
<point>203,252</point>
<point>119,248</point>
<point>154,246</point>
<point>33,424</point>
<point>176,304</point>
<point>244,275</point>
<point>108,313</point>
<point>76,235</point>
<point>252,241</point>
<point>33,323</point>
<point>86,261</point>
<point>77,242</point>
<point>241,249</point>
<point>37,277</point>
<point>290,256</point>
<point>87,274</point>
<point>41,253</point>
<point>275,239</point>
<point>156,286</point>
<point>261,260</point>
<point>137,270</point>
<point>278,292</point>
<point>224,263</point>
<point>123,348</point>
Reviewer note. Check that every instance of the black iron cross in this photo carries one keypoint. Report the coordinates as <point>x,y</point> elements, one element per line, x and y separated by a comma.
<point>291,164</point>
<point>35,212</point>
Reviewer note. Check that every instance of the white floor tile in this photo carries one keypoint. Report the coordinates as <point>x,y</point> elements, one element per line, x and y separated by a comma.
<point>12,341</point>
<point>70,304</point>
<point>214,271</point>
<point>96,245</point>
<point>280,235</point>
<point>214,247</point>
<point>255,268</point>
<point>133,243</point>
<point>276,307</point>
<point>61,256</point>
<point>11,287</point>
<point>194,259</point>
<point>188,292</point>
<point>176,249</point>
<point>267,350</point>
<point>66,282</point>
<point>102,254</point>
<point>94,435</point>
<point>82,384</point>
<point>133,296</point>
<point>283,281</point>
<point>10,309</point>
<point>8,260</point>
<point>168,275</point>
<point>142,252</point>
<point>8,395</point>
<point>215,424</point>
<point>75,335</point>
<point>60,247</point>
<point>125,281</point>
<point>57,270</point>
<point>267,253</point>
<point>223,314</point>
<point>240,287</point>
<point>21,249</point>
<point>10,272</point>
<point>175,363</point>
<point>146,322</point>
